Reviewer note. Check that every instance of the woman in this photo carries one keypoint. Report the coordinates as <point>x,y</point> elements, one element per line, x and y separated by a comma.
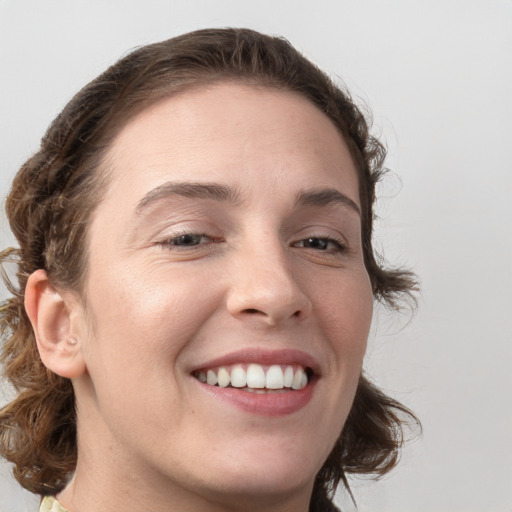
<point>196,280</point>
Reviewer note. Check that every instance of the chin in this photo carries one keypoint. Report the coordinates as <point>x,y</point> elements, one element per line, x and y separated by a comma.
<point>261,489</point>
<point>267,473</point>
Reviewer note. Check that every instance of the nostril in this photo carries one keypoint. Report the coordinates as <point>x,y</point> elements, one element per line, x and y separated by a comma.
<point>254,311</point>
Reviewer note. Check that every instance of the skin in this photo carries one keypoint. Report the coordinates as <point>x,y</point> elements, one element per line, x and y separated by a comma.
<point>264,273</point>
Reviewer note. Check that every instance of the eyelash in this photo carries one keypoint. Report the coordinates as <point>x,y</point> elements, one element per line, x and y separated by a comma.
<point>340,246</point>
<point>171,242</point>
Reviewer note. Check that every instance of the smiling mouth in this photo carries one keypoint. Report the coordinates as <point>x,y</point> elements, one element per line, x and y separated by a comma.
<point>257,378</point>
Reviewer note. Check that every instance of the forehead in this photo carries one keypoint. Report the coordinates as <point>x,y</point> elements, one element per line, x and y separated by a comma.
<point>234,133</point>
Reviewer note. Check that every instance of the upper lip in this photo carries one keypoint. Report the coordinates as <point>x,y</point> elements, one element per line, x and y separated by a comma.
<point>263,357</point>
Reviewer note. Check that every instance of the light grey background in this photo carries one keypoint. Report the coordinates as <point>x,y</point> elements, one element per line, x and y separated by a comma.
<point>437,75</point>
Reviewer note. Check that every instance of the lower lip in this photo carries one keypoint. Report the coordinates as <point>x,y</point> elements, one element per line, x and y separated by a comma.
<point>273,403</point>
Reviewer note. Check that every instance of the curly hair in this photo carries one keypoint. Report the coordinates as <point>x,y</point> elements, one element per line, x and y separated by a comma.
<point>58,188</point>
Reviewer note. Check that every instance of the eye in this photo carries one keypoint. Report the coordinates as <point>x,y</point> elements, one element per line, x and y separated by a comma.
<point>324,244</point>
<point>189,240</point>
<point>185,241</point>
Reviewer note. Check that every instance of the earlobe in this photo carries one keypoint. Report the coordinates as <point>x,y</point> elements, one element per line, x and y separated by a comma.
<point>50,316</point>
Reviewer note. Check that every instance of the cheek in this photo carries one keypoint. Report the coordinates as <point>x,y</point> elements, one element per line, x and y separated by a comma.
<point>347,314</point>
<point>147,315</point>
<point>346,322</point>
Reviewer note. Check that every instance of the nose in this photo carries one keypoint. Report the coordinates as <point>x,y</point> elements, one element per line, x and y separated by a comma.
<point>264,288</point>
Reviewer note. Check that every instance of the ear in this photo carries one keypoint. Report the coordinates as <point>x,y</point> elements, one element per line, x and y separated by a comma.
<point>50,315</point>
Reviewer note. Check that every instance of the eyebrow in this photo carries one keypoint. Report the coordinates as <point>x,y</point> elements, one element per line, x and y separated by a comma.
<point>324,197</point>
<point>214,191</point>
<point>223,193</point>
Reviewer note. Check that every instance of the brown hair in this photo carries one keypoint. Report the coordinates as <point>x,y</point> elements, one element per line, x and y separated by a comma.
<point>57,189</point>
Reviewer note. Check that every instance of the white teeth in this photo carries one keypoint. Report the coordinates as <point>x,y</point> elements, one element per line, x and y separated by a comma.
<point>288,377</point>
<point>255,378</point>
<point>298,379</point>
<point>274,378</point>
<point>211,378</point>
<point>238,377</point>
<point>223,377</point>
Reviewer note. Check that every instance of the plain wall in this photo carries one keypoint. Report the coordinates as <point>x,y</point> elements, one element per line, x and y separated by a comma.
<point>437,76</point>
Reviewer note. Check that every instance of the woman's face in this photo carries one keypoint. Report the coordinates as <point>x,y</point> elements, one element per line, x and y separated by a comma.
<point>227,248</point>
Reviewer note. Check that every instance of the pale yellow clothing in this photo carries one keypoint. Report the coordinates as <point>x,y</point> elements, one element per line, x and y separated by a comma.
<point>50,504</point>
